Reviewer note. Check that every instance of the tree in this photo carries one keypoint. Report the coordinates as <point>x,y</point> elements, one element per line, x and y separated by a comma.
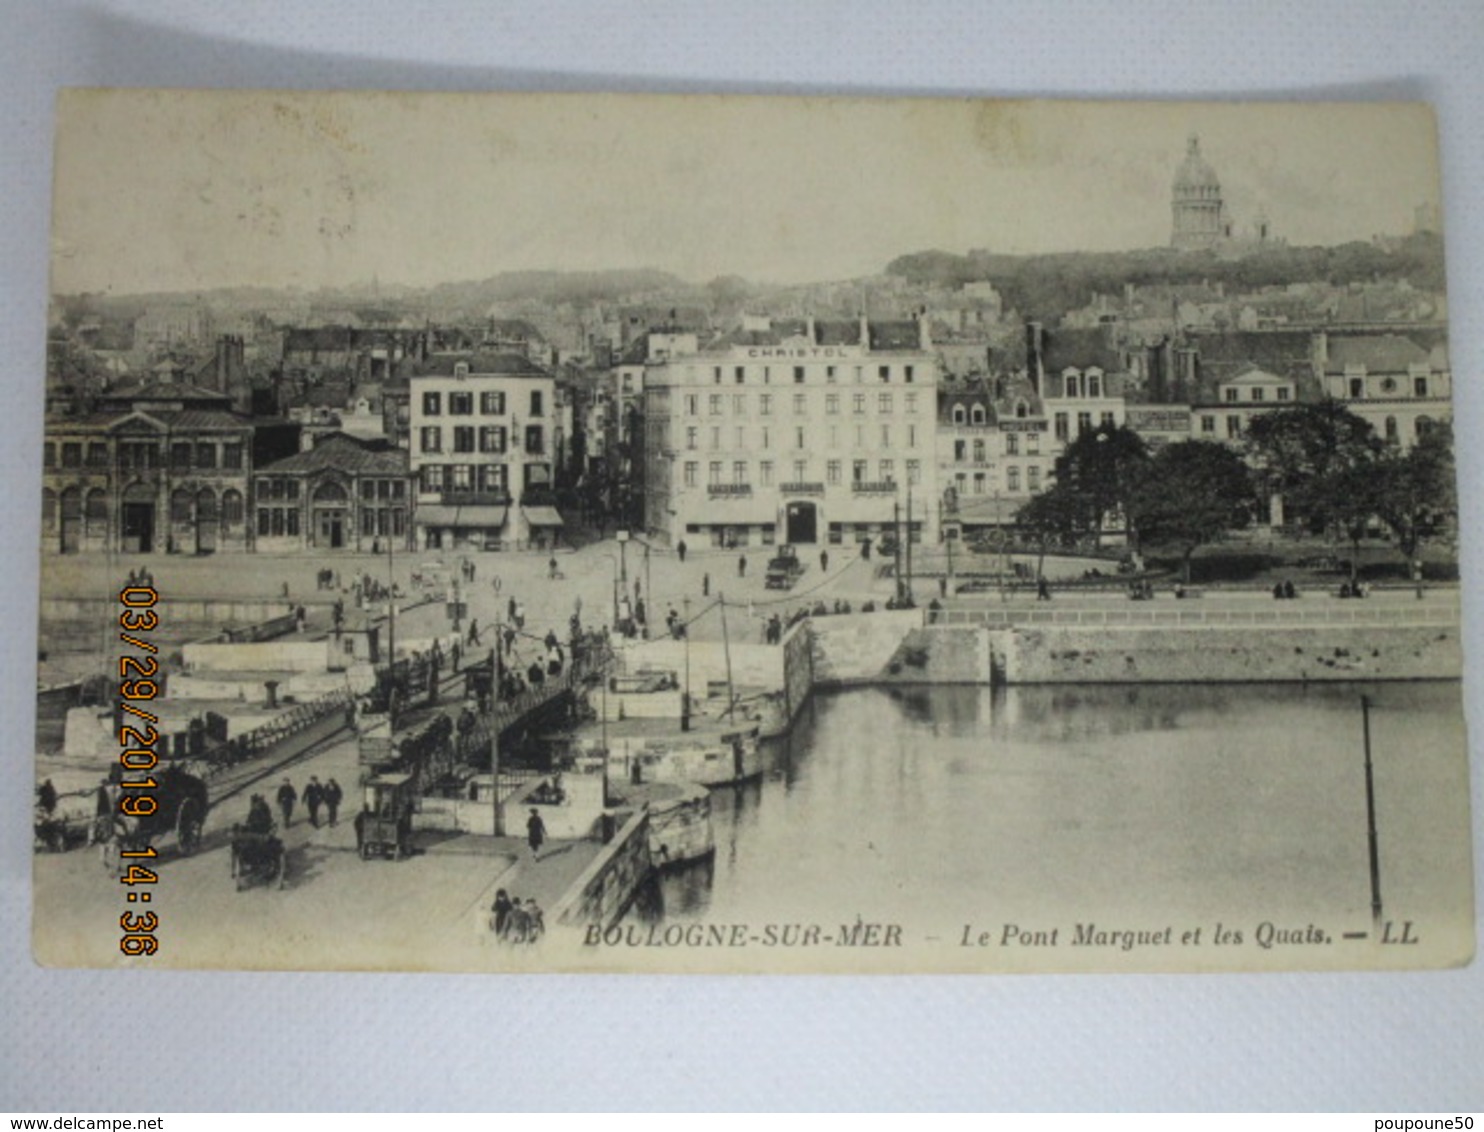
<point>1417,491</point>
<point>1191,494</point>
<point>1098,475</point>
<point>1308,453</point>
<point>1047,518</point>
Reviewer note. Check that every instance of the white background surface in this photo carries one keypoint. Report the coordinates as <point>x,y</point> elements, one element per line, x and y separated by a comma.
<point>78,1041</point>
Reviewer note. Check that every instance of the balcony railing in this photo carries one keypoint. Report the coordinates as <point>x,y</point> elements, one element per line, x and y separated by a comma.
<point>880,487</point>
<point>801,487</point>
<point>729,489</point>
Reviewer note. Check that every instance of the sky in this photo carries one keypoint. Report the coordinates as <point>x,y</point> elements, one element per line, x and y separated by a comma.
<point>192,190</point>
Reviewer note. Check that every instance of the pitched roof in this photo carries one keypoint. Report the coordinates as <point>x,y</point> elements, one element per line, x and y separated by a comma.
<point>480,363</point>
<point>1381,353</point>
<point>343,453</point>
<point>1078,349</point>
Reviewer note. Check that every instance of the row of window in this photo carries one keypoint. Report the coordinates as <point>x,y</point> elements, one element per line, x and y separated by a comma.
<point>1257,394</point>
<point>1061,424</point>
<point>489,439</point>
<point>184,455</point>
<point>832,374</point>
<point>716,404</point>
<point>460,403</point>
<point>860,472</point>
<point>800,437</point>
<point>1388,387</point>
<point>185,506</point>
<point>492,478</point>
<point>978,483</point>
<point>275,488</point>
<point>977,449</point>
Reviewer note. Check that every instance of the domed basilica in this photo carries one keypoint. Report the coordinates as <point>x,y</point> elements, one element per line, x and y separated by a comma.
<point>1200,217</point>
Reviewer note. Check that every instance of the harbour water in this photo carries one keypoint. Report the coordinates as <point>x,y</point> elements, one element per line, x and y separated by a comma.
<point>951,808</point>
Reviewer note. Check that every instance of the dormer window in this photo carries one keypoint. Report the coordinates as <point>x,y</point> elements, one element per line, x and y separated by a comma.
<point>958,414</point>
<point>1022,410</point>
<point>977,414</point>
<point>461,370</point>
<point>1070,383</point>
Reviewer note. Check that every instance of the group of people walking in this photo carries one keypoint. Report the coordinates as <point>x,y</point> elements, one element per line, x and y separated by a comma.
<point>317,795</point>
<point>515,921</point>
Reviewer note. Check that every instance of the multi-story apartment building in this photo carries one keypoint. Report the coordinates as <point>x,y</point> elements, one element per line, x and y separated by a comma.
<point>804,432</point>
<point>481,443</point>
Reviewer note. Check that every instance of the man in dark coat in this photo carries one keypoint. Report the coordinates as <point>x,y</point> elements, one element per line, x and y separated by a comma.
<point>333,795</point>
<point>287,796</point>
<point>535,832</point>
<point>314,797</point>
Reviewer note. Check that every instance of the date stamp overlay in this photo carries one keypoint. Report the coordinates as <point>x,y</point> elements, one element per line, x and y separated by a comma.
<point>137,799</point>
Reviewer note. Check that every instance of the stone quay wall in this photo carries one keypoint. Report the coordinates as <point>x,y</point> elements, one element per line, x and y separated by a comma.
<point>1208,654</point>
<point>604,890</point>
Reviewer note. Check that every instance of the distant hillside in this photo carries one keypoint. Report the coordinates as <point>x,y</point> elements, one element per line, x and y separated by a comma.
<point>1050,285</point>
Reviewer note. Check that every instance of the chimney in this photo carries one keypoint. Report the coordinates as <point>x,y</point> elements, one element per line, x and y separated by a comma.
<point>865,332</point>
<point>924,334</point>
<point>809,329</point>
<point>1035,345</point>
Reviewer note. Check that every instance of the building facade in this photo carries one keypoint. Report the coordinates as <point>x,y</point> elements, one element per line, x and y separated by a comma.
<point>805,432</point>
<point>340,494</point>
<point>482,441</point>
<point>162,468</point>
<point>1388,380</point>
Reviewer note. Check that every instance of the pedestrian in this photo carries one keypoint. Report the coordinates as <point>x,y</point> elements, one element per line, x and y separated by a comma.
<point>473,632</point>
<point>333,795</point>
<point>501,912</point>
<point>520,615</point>
<point>510,609</point>
<point>551,568</point>
<point>680,550</point>
<point>1043,591</point>
<point>705,585</point>
<point>314,797</point>
<point>46,797</point>
<point>535,832</point>
<point>300,615</point>
<point>636,589</point>
<point>943,586</point>
<point>535,921</point>
<point>742,566</point>
<point>824,560</point>
<point>287,796</point>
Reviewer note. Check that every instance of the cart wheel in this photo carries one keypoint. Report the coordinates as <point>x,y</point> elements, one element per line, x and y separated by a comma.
<point>188,828</point>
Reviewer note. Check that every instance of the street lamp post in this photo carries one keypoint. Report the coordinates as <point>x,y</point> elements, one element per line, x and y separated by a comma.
<point>685,695</point>
<point>623,557</point>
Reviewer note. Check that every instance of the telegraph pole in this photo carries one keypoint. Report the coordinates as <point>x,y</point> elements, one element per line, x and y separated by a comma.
<point>1370,814</point>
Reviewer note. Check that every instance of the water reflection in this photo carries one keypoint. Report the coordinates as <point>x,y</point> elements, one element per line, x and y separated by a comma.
<point>935,802</point>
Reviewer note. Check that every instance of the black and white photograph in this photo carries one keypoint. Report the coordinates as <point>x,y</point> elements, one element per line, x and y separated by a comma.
<point>737,534</point>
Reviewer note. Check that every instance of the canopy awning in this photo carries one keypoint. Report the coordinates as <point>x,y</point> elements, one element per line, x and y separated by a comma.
<point>482,515</point>
<point>436,515</point>
<point>443,515</point>
<point>542,516</point>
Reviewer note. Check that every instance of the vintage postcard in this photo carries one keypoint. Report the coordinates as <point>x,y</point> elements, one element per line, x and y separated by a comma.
<point>734,534</point>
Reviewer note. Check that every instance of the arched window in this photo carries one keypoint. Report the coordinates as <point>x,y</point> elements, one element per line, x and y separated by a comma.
<point>1423,427</point>
<point>1022,410</point>
<point>977,414</point>
<point>206,505</point>
<point>232,507</point>
<point>48,507</point>
<point>95,511</point>
<point>958,414</point>
<point>180,506</point>
<point>1391,433</point>
<point>72,504</point>
<point>330,492</point>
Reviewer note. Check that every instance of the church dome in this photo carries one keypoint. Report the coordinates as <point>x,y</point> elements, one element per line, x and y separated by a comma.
<point>1195,172</point>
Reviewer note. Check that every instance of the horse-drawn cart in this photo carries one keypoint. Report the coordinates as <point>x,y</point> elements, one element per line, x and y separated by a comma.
<point>258,855</point>
<point>180,808</point>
